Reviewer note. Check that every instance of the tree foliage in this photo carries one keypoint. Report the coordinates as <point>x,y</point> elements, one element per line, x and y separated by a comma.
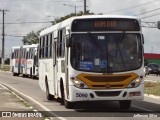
<point>30,38</point>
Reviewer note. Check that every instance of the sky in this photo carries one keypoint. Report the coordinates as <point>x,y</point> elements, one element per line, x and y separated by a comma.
<point>20,11</point>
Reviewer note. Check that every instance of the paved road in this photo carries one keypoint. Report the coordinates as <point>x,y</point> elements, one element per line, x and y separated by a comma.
<point>31,88</point>
<point>152,77</point>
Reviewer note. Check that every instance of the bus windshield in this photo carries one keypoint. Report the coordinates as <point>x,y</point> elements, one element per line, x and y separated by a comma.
<point>106,52</point>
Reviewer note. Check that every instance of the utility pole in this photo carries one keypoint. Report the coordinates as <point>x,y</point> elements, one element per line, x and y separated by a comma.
<point>75,7</point>
<point>85,6</point>
<point>75,10</point>
<point>3,39</point>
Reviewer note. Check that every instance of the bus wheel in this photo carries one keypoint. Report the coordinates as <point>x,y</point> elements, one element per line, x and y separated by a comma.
<point>23,75</point>
<point>31,73</point>
<point>67,104</point>
<point>14,74</point>
<point>48,95</point>
<point>125,104</point>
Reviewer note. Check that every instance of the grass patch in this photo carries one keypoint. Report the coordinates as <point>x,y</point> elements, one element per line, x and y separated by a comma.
<point>152,88</point>
<point>6,68</point>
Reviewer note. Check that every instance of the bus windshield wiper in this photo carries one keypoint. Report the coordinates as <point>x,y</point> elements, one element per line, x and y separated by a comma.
<point>118,49</point>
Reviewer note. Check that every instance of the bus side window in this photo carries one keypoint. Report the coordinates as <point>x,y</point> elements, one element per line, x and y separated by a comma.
<point>46,47</point>
<point>43,44</point>
<point>51,41</point>
<point>54,51</point>
<point>24,53</point>
<point>27,55</point>
<point>32,53</point>
<point>12,55</point>
<point>50,51</point>
<point>39,48</point>
<point>61,43</point>
<point>16,52</point>
<point>49,46</point>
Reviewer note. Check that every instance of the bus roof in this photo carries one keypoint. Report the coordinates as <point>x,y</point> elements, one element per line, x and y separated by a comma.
<point>15,47</point>
<point>68,21</point>
<point>27,46</point>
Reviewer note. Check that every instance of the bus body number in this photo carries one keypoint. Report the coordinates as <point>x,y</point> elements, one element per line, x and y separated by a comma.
<point>82,95</point>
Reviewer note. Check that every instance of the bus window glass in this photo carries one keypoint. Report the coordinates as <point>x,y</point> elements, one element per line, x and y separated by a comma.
<point>43,45</point>
<point>40,48</point>
<point>46,47</point>
<point>50,45</point>
<point>106,52</point>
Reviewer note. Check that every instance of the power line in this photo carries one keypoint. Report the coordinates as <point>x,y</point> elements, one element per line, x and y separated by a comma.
<point>150,16</point>
<point>31,22</point>
<point>35,0</point>
<point>135,6</point>
<point>147,12</point>
<point>15,35</point>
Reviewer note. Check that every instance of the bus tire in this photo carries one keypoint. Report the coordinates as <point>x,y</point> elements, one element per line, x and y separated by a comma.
<point>32,76</point>
<point>125,104</point>
<point>48,95</point>
<point>14,74</point>
<point>67,104</point>
<point>31,73</point>
<point>23,75</point>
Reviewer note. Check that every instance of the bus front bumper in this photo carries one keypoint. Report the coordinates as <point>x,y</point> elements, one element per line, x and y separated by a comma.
<point>76,94</point>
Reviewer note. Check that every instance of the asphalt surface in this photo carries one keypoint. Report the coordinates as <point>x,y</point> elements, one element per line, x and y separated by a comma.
<point>10,102</point>
<point>14,107</point>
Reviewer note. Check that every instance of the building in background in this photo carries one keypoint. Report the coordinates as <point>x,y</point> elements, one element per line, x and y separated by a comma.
<point>151,58</point>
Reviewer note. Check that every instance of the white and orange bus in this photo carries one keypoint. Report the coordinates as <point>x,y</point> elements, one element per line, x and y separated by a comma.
<point>15,61</point>
<point>76,62</point>
<point>24,60</point>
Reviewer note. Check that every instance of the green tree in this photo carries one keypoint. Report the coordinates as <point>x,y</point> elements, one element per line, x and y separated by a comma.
<point>30,38</point>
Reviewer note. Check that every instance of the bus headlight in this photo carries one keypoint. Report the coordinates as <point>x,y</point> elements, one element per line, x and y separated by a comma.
<point>78,83</point>
<point>135,83</point>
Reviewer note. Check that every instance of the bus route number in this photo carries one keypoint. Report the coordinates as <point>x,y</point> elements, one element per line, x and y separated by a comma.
<point>82,95</point>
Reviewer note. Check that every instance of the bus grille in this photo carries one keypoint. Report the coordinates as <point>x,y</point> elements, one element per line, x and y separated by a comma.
<point>107,78</point>
<point>100,81</point>
<point>107,94</point>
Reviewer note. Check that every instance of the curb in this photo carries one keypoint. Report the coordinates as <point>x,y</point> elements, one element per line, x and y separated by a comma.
<point>152,96</point>
<point>18,97</point>
<point>32,102</point>
<point>5,71</point>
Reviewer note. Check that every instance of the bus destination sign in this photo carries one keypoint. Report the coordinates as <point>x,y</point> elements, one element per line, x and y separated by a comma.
<point>107,24</point>
<point>85,25</point>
